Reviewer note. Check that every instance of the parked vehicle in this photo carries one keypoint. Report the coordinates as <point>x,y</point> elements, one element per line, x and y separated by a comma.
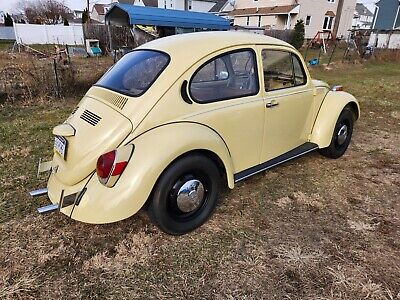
<point>178,116</point>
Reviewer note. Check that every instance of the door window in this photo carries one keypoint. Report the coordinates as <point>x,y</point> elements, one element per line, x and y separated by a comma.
<point>227,76</point>
<point>282,70</point>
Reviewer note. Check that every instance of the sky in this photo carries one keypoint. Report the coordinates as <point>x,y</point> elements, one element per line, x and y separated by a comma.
<point>9,5</point>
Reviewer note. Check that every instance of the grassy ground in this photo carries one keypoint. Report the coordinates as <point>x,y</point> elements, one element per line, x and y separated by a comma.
<point>313,228</point>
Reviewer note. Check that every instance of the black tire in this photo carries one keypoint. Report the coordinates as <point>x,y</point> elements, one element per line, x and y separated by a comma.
<point>339,146</point>
<point>164,209</point>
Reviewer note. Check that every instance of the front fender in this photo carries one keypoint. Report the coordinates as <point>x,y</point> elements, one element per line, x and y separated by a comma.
<point>154,151</point>
<point>328,114</point>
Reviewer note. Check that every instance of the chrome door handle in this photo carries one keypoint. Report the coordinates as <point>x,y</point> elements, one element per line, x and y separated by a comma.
<point>272,104</point>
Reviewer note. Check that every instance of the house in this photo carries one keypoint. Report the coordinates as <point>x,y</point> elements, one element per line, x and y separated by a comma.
<point>192,5</point>
<point>150,3</point>
<point>328,15</point>
<point>387,15</point>
<point>98,12</point>
<point>222,8</point>
<point>78,14</point>
<point>363,17</point>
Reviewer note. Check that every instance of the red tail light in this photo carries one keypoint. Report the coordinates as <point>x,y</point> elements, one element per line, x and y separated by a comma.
<point>110,165</point>
<point>105,165</point>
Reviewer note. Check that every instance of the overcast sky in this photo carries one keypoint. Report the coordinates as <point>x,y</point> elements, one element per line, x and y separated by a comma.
<point>9,5</point>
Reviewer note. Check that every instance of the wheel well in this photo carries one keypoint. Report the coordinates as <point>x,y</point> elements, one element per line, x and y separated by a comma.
<point>354,108</point>
<point>207,153</point>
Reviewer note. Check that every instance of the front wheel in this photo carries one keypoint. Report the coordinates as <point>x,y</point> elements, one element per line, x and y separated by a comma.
<point>185,195</point>
<point>341,135</point>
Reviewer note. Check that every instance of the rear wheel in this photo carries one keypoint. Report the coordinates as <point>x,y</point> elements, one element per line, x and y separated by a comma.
<point>341,135</point>
<point>185,195</point>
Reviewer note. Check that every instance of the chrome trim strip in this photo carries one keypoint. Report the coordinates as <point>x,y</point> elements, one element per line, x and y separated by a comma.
<point>278,163</point>
<point>47,208</point>
<point>286,94</point>
<point>39,192</point>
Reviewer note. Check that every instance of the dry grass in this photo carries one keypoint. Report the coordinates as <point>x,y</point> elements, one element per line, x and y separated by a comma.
<point>313,228</point>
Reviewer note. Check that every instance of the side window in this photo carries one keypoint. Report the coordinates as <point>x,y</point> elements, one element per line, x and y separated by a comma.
<point>228,76</point>
<point>213,71</point>
<point>281,70</point>
<point>299,75</point>
<point>278,69</point>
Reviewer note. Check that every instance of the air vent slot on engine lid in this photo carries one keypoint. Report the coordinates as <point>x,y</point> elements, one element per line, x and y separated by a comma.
<point>110,97</point>
<point>90,117</point>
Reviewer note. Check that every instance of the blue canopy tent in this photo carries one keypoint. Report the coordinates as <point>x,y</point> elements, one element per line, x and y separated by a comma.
<point>127,15</point>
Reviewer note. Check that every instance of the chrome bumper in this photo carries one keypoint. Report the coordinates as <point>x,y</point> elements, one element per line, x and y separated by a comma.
<point>47,208</point>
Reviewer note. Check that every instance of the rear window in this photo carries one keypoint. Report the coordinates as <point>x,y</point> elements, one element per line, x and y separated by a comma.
<point>135,72</point>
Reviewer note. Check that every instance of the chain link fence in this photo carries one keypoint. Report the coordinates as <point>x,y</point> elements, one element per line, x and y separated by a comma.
<point>24,77</point>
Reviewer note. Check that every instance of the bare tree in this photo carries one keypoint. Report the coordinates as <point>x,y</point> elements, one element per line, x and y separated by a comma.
<point>44,11</point>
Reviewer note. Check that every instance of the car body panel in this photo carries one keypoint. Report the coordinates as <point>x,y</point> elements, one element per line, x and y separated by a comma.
<point>241,133</point>
<point>154,151</point>
<point>330,109</point>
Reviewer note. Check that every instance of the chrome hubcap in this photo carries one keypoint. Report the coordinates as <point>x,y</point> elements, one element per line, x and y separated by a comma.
<point>342,135</point>
<point>190,195</point>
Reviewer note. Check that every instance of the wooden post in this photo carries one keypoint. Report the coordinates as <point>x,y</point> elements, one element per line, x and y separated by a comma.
<point>330,58</point>
<point>58,94</point>
<point>109,38</point>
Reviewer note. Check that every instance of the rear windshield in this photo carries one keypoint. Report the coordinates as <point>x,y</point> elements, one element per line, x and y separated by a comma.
<point>135,72</point>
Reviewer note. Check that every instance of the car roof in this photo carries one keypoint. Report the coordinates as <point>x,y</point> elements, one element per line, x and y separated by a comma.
<point>200,44</point>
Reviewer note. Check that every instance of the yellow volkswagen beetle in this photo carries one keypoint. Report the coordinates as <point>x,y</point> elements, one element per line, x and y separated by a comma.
<point>177,116</point>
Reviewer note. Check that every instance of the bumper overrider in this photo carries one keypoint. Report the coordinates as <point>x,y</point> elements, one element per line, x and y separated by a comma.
<point>62,200</point>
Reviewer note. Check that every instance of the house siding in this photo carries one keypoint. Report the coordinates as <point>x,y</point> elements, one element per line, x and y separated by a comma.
<point>199,6</point>
<point>385,15</point>
<point>315,8</point>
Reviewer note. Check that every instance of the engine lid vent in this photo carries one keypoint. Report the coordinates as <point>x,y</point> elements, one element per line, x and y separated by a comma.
<point>90,117</point>
<point>110,97</point>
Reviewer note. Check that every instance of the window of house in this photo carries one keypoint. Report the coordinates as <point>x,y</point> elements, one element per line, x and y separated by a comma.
<point>282,70</point>
<point>328,23</point>
<point>308,20</point>
<point>248,21</point>
<point>259,21</point>
<point>331,1</point>
<point>165,3</point>
<point>190,2</point>
<point>227,76</point>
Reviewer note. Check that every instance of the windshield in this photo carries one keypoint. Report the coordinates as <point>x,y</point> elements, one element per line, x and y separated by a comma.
<point>135,72</point>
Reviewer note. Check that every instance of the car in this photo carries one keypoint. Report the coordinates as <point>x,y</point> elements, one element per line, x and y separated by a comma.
<point>176,118</point>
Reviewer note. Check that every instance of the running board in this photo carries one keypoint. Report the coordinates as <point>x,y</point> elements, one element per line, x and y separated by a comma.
<point>296,152</point>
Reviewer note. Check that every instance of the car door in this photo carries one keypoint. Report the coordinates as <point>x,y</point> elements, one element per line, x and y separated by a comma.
<point>231,102</point>
<point>288,101</point>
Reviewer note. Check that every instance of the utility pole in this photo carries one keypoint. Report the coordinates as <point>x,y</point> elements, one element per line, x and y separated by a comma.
<point>337,19</point>
<point>87,7</point>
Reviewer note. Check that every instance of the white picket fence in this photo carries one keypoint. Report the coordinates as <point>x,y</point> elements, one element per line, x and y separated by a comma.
<point>49,34</point>
<point>7,33</point>
<point>385,39</point>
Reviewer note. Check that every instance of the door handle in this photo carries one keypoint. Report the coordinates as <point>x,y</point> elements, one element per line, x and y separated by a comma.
<point>272,104</point>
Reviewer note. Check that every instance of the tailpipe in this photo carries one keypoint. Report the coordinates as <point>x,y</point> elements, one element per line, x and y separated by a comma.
<point>48,208</point>
<point>38,193</point>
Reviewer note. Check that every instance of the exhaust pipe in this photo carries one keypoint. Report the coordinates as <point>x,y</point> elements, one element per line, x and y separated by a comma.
<point>47,208</point>
<point>37,193</point>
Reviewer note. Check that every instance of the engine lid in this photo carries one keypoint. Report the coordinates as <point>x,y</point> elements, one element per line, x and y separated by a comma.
<point>99,128</point>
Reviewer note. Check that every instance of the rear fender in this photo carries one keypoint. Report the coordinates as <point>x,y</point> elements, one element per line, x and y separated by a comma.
<point>328,114</point>
<point>153,152</point>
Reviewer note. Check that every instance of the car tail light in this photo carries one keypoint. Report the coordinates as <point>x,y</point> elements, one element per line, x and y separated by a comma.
<point>105,165</point>
<point>337,88</point>
<point>110,165</point>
